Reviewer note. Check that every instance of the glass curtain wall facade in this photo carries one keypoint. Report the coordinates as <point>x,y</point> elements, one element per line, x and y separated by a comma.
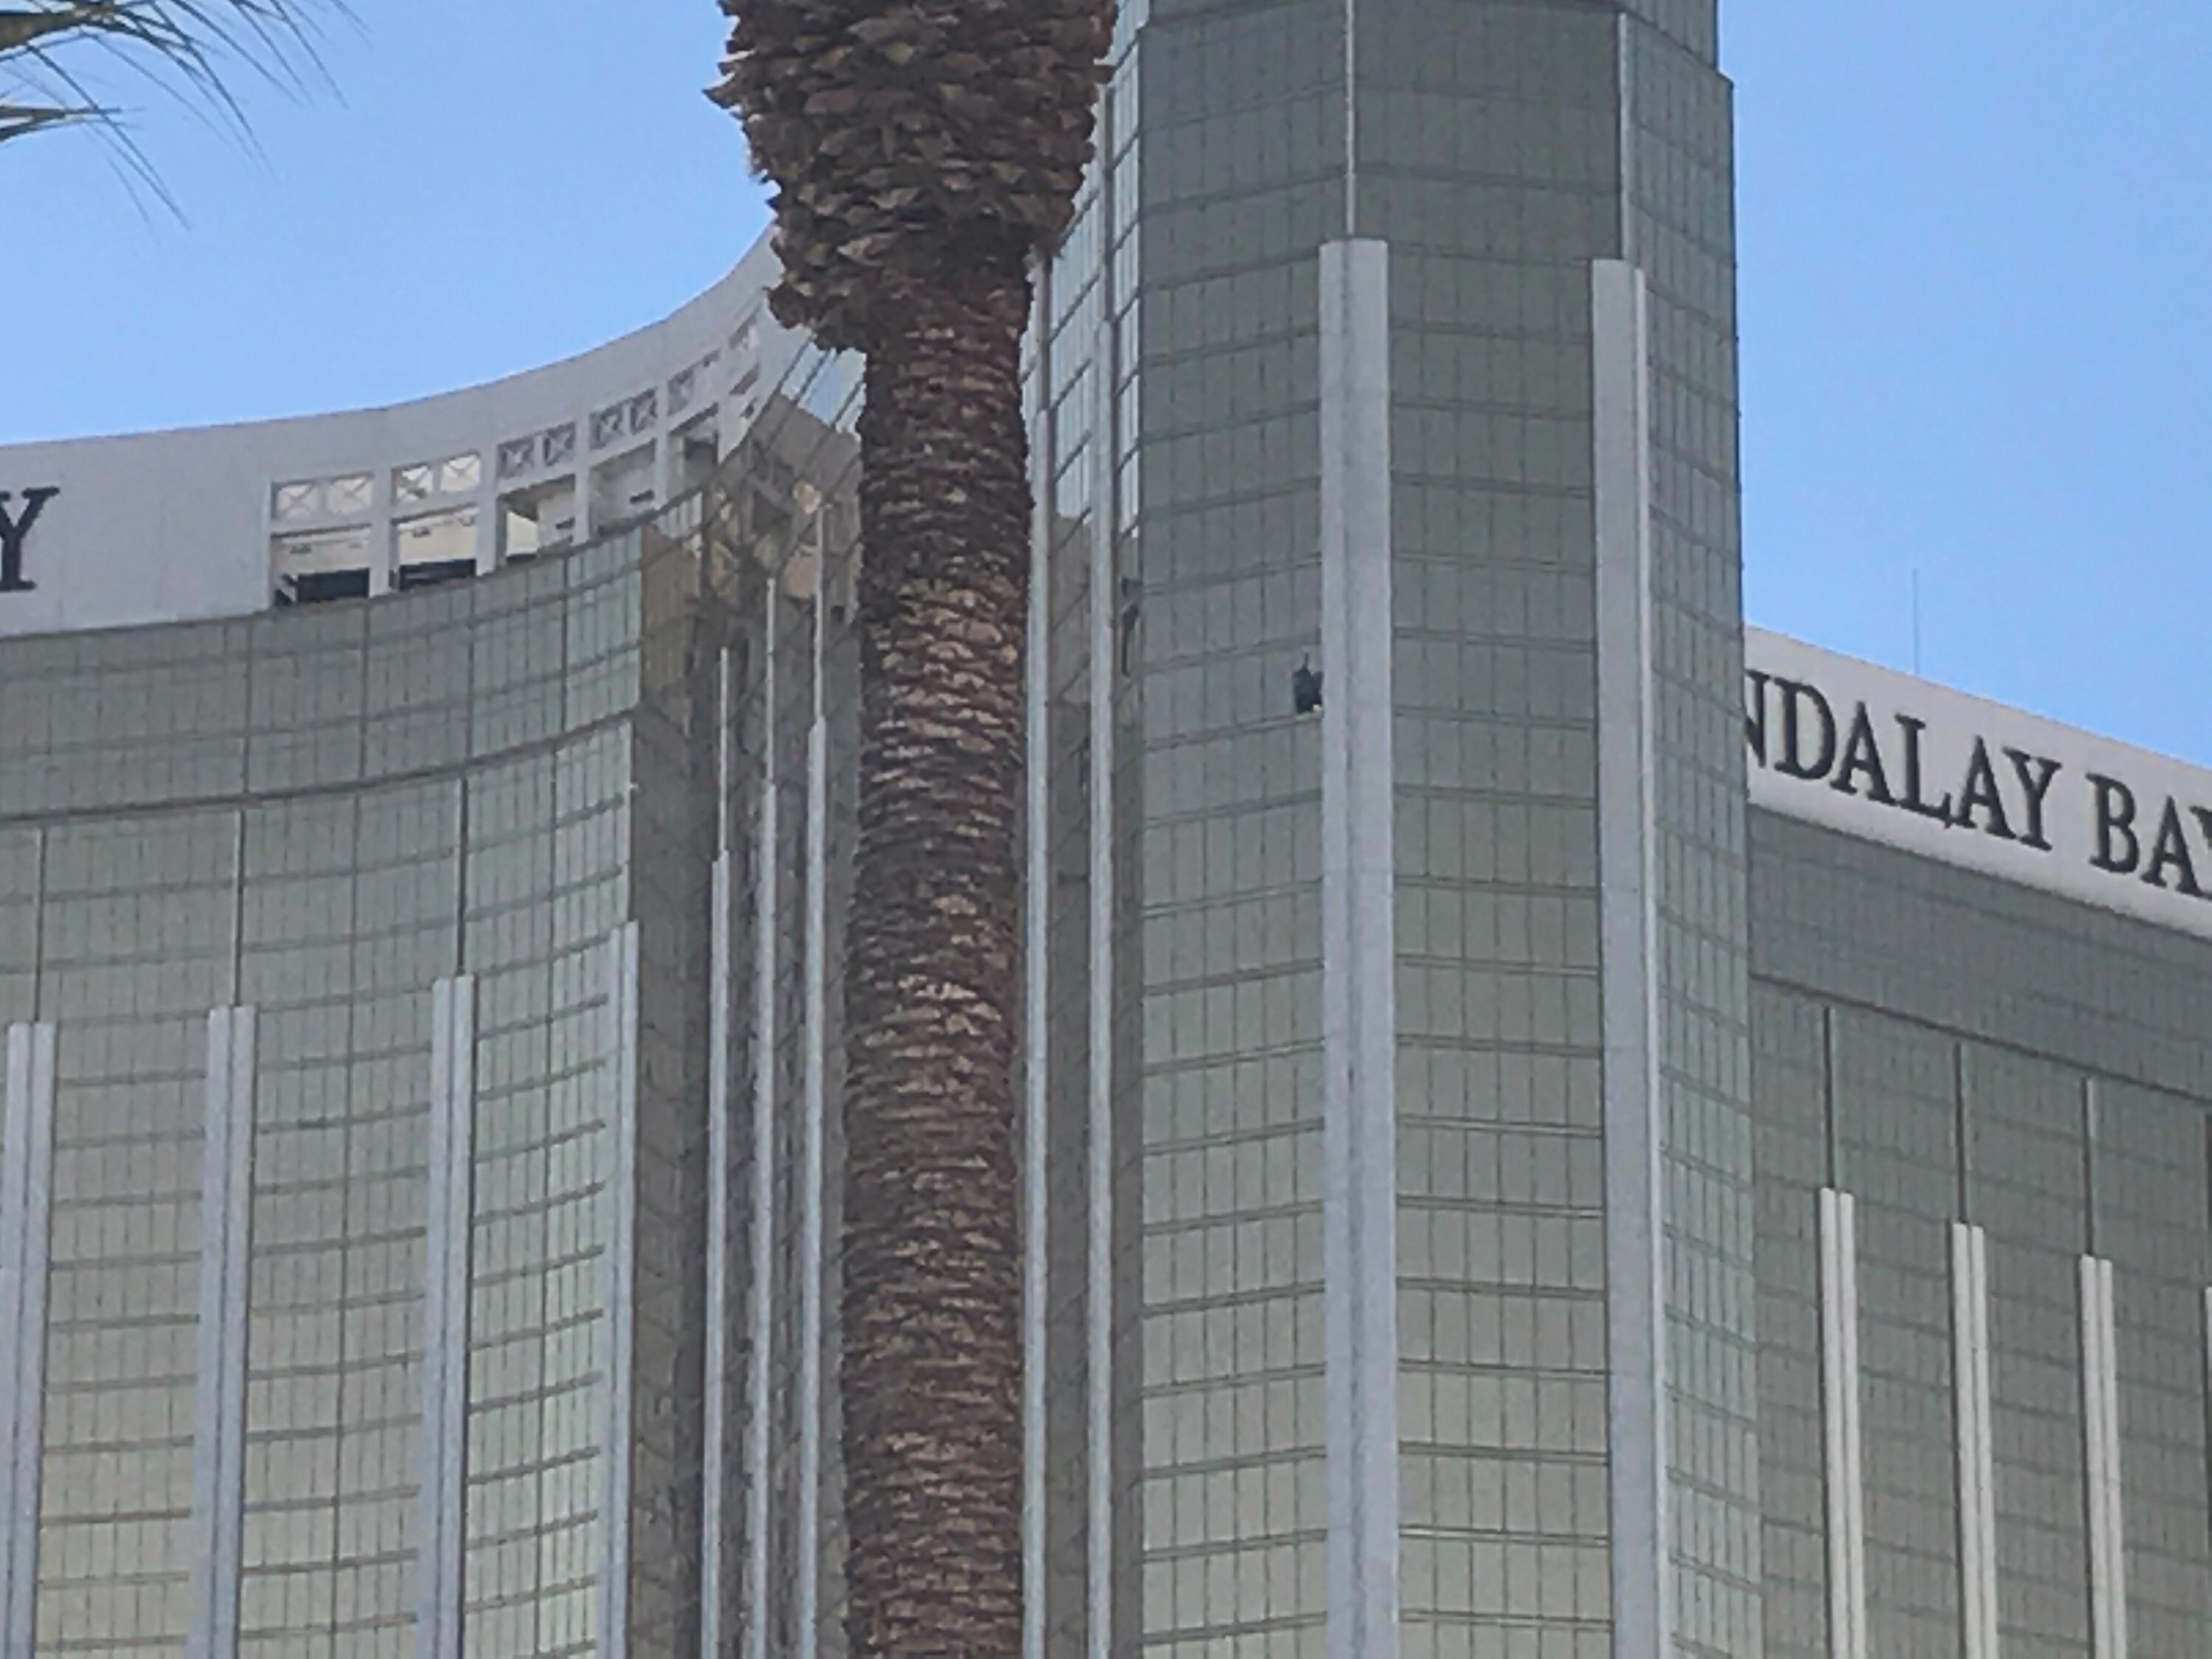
<point>1323,1105</point>
<point>1490,1194</point>
<point>770,1541</point>
<point>1254,1456</point>
<point>1085,1169</point>
<point>1969,1061</point>
<point>1328,1351</point>
<point>354,970</point>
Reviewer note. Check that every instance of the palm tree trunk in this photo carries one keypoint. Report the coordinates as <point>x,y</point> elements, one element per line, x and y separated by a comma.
<point>932,1348</point>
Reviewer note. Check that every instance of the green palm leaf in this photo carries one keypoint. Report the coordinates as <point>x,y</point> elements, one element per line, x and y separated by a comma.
<point>49,49</point>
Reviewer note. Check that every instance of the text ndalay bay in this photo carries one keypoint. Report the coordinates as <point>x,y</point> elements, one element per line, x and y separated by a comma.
<point>1916,765</point>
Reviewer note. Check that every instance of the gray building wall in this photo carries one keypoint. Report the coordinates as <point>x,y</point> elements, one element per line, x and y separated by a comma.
<point>1270,1413</point>
<point>1951,1048</point>
<point>1499,150</point>
<point>1438,1101</point>
<point>331,818</point>
<point>1239,138</point>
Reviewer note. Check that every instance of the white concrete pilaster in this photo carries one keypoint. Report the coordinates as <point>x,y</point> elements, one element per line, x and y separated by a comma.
<point>447,1244</point>
<point>1636,1310</point>
<point>616,1446</point>
<point>767,1039</point>
<point>2100,1423</point>
<point>1036,893</point>
<point>27,1151</point>
<point>1359,966</point>
<point>714,1514</point>
<point>219,1406</point>
<point>814,1104</point>
<point>1970,1368</point>
<point>1840,1399</point>
<point>1099,1293</point>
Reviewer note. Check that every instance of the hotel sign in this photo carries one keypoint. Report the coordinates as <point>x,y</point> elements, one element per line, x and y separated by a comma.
<point>15,525</point>
<point>1920,767</point>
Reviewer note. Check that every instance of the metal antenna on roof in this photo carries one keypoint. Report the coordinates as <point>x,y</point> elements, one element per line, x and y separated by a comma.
<point>1916,622</point>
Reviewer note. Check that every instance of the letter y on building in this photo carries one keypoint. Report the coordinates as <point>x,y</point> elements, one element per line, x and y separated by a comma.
<point>15,531</point>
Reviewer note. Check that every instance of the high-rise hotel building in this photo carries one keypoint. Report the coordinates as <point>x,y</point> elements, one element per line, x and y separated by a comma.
<point>1557,1127</point>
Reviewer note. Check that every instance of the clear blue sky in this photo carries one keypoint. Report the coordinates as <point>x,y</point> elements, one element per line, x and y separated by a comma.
<point>1976,290</point>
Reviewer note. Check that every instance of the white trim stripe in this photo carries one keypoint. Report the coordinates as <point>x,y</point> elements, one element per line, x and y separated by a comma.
<point>1099,1274</point>
<point>430,1561</point>
<point>713,1520</point>
<point>2100,1422</point>
<point>1628,923</point>
<point>448,1248</point>
<point>207,1402</point>
<point>1350,15</point>
<point>219,1407</point>
<point>1359,977</point>
<point>1978,1515</point>
<point>767,919</point>
<point>620,1242</point>
<point>812,1288</point>
<point>1036,1029</point>
<point>26,1145</point>
<point>1841,1406</point>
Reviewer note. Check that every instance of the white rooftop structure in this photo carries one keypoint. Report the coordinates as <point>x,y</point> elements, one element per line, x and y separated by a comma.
<point>225,520</point>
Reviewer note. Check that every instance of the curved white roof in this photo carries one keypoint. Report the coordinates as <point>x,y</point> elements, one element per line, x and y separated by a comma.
<point>204,522</point>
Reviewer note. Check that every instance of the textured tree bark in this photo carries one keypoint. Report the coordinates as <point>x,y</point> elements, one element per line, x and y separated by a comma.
<point>932,1350</point>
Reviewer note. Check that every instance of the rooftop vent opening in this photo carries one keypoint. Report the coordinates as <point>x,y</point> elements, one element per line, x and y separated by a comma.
<point>435,573</point>
<point>622,488</point>
<point>321,588</point>
<point>315,566</point>
<point>696,449</point>
<point>435,548</point>
<point>537,520</point>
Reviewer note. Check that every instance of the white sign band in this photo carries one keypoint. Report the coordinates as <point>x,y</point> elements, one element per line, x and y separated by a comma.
<point>1919,767</point>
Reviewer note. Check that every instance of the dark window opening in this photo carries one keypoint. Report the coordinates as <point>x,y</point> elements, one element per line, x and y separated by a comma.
<point>435,572</point>
<point>321,588</point>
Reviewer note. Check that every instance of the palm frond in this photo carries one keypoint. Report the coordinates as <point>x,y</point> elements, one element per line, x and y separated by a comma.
<point>17,119</point>
<point>194,48</point>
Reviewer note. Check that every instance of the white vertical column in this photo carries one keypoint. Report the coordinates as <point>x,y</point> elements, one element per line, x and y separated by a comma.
<point>1360,1018</point>
<point>580,483</point>
<point>1037,892</point>
<point>664,470</point>
<point>383,557</point>
<point>488,511</point>
<point>1105,600</point>
<point>813,1103</point>
<point>1350,118</point>
<point>1840,1402</point>
<point>1970,1371</point>
<point>715,1428</point>
<point>219,1406</point>
<point>767,919</point>
<point>621,1292</point>
<point>2100,1422</point>
<point>446,1249</point>
<point>714,1520</point>
<point>27,1151</point>
<point>1099,1360</point>
<point>1636,1256</point>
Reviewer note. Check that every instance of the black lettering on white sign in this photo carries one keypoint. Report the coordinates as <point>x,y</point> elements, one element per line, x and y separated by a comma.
<point>15,530</point>
<point>1795,730</point>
